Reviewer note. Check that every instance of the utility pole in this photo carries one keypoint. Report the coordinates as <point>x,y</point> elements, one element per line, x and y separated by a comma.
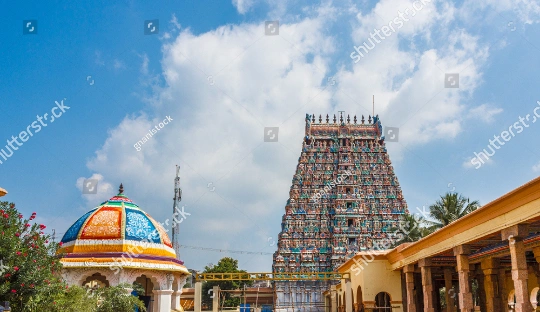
<point>175,224</point>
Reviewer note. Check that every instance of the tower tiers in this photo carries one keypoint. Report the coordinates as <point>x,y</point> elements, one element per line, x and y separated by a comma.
<point>344,196</point>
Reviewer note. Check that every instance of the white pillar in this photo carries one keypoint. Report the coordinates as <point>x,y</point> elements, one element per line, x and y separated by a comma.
<point>163,300</point>
<point>215,300</point>
<point>176,300</point>
<point>348,297</point>
<point>198,297</point>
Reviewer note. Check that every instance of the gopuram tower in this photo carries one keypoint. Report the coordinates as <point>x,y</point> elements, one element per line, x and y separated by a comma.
<point>344,198</point>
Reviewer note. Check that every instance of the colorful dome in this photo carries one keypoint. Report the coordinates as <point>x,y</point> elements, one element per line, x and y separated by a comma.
<point>115,229</point>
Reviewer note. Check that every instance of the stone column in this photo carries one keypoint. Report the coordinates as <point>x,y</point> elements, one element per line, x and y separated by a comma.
<point>197,297</point>
<point>348,297</point>
<point>465,294</point>
<point>502,289</point>
<point>490,268</point>
<point>520,274</point>
<point>176,300</point>
<point>215,299</point>
<point>427,284</point>
<point>450,292</point>
<point>409,282</point>
<point>536,252</point>
<point>163,300</point>
<point>333,297</point>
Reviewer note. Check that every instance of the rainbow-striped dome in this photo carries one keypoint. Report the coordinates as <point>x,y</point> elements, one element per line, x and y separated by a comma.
<point>115,228</point>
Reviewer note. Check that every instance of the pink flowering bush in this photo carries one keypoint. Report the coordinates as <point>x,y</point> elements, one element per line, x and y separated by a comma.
<point>28,264</point>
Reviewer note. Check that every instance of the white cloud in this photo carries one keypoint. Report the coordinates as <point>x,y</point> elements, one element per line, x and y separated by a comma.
<point>104,191</point>
<point>242,6</point>
<point>536,168</point>
<point>224,86</point>
<point>485,112</point>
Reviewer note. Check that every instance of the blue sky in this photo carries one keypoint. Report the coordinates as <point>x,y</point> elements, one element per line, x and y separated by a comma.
<point>221,80</point>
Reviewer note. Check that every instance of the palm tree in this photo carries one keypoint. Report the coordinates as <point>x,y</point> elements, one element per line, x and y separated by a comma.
<point>411,229</point>
<point>448,209</point>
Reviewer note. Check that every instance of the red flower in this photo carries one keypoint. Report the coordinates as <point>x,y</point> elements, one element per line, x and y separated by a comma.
<point>27,225</point>
<point>13,291</point>
<point>16,268</point>
<point>7,275</point>
<point>47,241</point>
<point>31,285</point>
<point>6,216</point>
<point>42,227</point>
<point>34,260</point>
<point>18,253</point>
<point>60,244</point>
<point>22,285</point>
<point>17,234</point>
<point>20,216</point>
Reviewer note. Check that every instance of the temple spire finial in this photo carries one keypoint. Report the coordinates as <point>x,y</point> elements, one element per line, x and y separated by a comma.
<point>121,189</point>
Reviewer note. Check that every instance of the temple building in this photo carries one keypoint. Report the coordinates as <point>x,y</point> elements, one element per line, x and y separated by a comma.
<point>344,199</point>
<point>118,243</point>
<point>487,261</point>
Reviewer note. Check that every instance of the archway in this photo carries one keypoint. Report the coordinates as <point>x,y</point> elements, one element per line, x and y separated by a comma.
<point>95,280</point>
<point>359,300</point>
<point>148,285</point>
<point>382,302</point>
<point>352,299</point>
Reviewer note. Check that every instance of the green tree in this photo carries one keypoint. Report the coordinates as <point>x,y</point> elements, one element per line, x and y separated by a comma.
<point>225,265</point>
<point>448,209</point>
<point>29,267</point>
<point>411,229</point>
<point>30,273</point>
<point>115,299</point>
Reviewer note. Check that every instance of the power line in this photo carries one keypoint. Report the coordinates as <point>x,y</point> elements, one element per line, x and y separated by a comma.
<point>226,250</point>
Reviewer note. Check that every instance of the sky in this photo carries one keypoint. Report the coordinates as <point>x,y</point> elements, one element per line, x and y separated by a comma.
<point>447,76</point>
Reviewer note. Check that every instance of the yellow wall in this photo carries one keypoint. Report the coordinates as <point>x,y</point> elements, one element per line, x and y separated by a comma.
<point>375,277</point>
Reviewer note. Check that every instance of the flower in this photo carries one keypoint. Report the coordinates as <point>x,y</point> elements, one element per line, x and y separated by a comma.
<point>17,234</point>
<point>13,291</point>
<point>22,285</point>
<point>60,244</point>
<point>20,216</point>
<point>31,285</point>
<point>7,275</point>
<point>27,225</point>
<point>18,253</point>
<point>42,227</point>
<point>16,268</point>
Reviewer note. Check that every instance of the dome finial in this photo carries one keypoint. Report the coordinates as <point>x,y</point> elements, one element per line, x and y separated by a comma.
<point>121,189</point>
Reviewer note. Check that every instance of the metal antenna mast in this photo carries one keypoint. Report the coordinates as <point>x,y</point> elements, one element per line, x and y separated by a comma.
<point>175,224</point>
